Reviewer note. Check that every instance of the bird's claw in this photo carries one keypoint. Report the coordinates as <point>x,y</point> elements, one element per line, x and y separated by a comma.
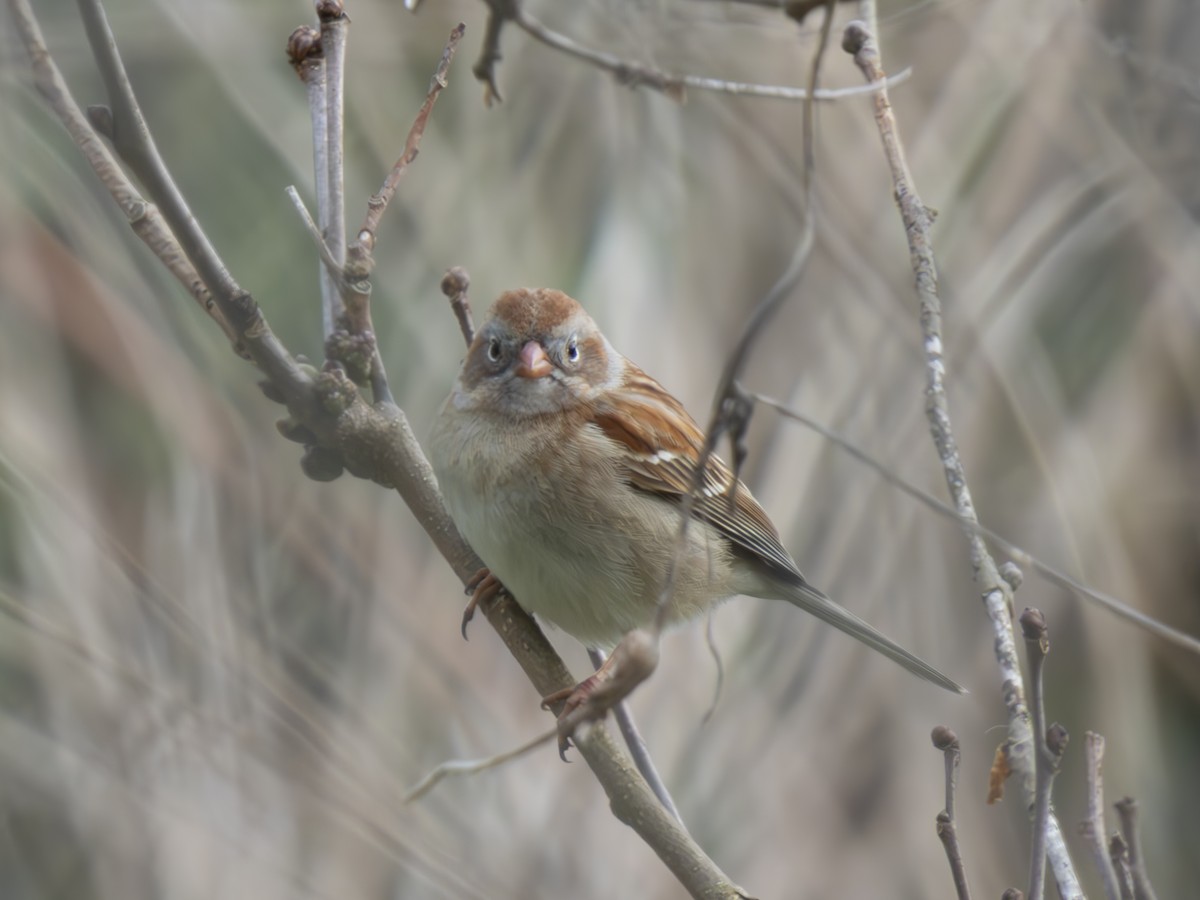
<point>483,587</point>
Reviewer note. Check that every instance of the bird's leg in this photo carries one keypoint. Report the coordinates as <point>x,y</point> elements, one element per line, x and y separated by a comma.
<point>574,697</point>
<point>484,587</point>
<point>632,661</point>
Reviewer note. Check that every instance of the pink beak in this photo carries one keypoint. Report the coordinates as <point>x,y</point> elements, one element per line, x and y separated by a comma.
<point>532,361</point>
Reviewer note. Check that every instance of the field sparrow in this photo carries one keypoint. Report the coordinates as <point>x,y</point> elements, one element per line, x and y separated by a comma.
<point>563,465</point>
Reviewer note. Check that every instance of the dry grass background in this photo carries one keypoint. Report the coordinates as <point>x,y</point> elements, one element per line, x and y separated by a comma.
<point>217,677</point>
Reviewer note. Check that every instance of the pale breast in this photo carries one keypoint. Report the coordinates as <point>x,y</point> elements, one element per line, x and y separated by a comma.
<point>574,543</point>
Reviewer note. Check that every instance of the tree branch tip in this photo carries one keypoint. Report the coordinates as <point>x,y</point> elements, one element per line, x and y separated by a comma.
<point>1012,575</point>
<point>456,281</point>
<point>855,36</point>
<point>1033,627</point>
<point>1057,739</point>
<point>944,738</point>
<point>330,10</point>
<point>304,46</point>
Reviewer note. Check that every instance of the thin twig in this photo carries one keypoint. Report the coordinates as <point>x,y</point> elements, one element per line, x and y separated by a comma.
<point>1024,557</point>
<point>1127,810</point>
<point>331,187</point>
<point>356,283</point>
<point>1049,745</point>
<point>637,747</point>
<point>460,767</point>
<point>637,74</point>
<point>133,143</point>
<point>144,218</point>
<point>307,56</point>
<point>859,41</point>
<point>499,12</point>
<point>1092,828</point>
<point>1118,852</point>
<point>378,203</point>
<point>330,265</point>
<point>455,284</point>
<point>947,741</point>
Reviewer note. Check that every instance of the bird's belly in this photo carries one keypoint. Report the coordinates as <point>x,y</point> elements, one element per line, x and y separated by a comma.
<point>597,575</point>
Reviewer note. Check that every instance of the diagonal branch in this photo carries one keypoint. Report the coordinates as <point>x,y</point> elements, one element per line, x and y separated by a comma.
<point>133,143</point>
<point>859,41</point>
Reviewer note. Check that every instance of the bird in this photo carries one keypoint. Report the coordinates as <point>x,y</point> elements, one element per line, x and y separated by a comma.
<point>564,466</point>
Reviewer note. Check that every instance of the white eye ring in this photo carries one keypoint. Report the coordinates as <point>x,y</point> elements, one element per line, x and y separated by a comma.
<point>493,350</point>
<point>572,350</point>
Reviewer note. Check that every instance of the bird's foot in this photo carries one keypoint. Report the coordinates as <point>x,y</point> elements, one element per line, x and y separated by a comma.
<point>631,663</point>
<point>484,587</point>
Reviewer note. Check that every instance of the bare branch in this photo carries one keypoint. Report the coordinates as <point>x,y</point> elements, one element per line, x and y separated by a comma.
<point>947,741</point>
<point>454,285</point>
<point>459,767</point>
<point>1050,743</point>
<point>1092,828</point>
<point>499,12</point>
<point>1055,576</point>
<point>1127,810</point>
<point>144,218</point>
<point>356,282</point>
<point>1118,852</point>
<point>307,56</point>
<point>637,74</point>
<point>328,109</point>
<point>364,242</point>
<point>859,41</point>
<point>331,266</point>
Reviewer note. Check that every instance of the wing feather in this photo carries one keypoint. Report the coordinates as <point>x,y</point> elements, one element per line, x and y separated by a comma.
<point>664,445</point>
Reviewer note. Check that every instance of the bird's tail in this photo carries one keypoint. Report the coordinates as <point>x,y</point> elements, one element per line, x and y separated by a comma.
<point>811,600</point>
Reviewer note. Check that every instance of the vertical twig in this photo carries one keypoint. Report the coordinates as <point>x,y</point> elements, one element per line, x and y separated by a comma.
<point>1127,810</point>
<point>1049,745</point>
<point>455,284</point>
<point>359,260</point>
<point>329,161</point>
<point>1118,852</point>
<point>859,41</point>
<point>1092,828</point>
<point>947,741</point>
<point>307,56</point>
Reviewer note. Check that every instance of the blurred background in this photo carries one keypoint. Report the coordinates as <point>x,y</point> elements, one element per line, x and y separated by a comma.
<point>217,677</point>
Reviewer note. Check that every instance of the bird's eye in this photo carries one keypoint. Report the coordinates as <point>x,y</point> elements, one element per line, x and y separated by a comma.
<point>572,350</point>
<point>493,350</point>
